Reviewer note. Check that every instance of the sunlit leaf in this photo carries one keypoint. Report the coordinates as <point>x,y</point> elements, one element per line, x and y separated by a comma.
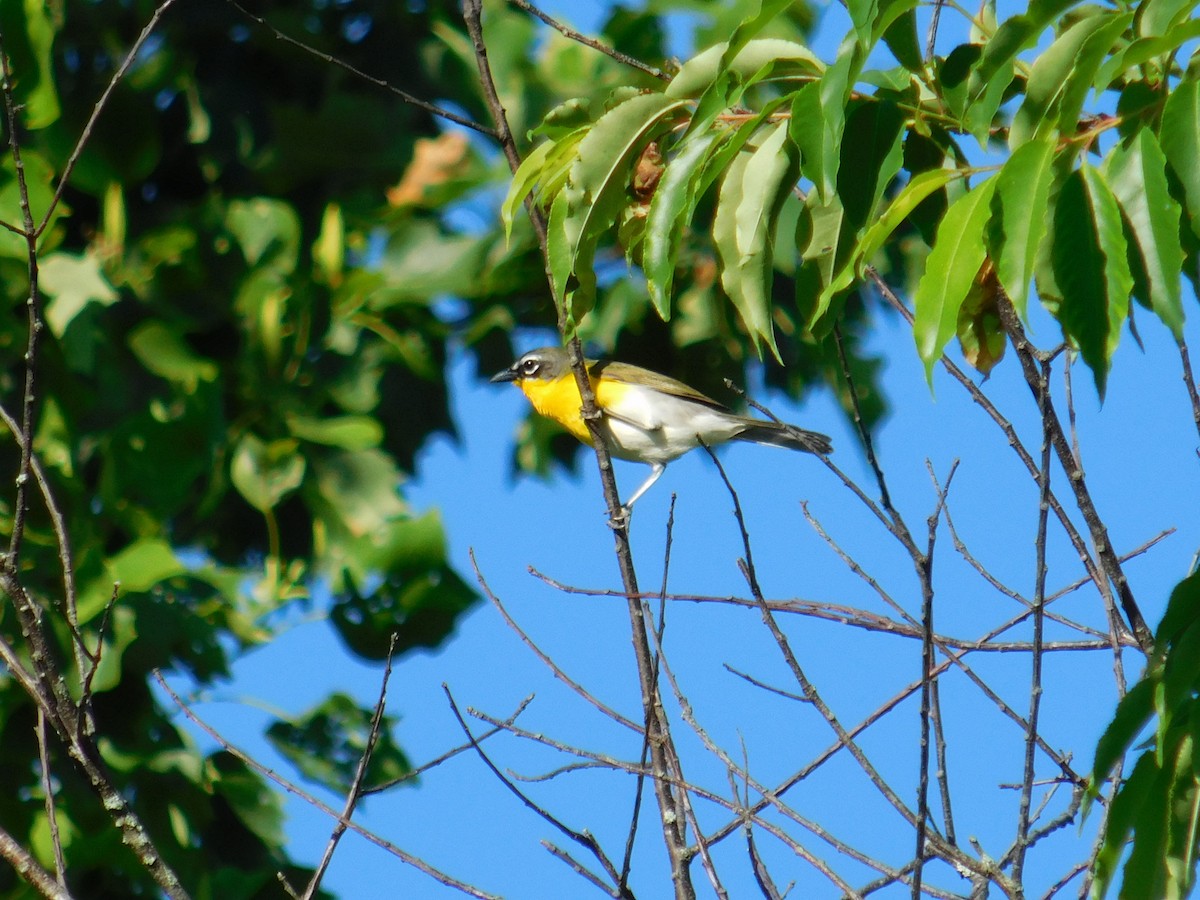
<point>994,71</point>
<point>950,272</point>
<point>596,188</point>
<point>72,282</point>
<point>268,231</point>
<point>1180,138</point>
<point>264,473</point>
<point>166,354</point>
<point>1019,217</point>
<point>1137,174</point>
<point>1061,76</point>
<point>694,76</point>
<point>671,210</point>
<point>751,196</point>
<point>348,432</point>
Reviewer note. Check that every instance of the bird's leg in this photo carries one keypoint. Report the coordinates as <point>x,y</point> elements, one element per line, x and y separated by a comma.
<point>656,469</point>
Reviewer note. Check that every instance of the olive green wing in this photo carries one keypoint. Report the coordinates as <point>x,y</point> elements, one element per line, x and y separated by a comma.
<point>630,374</point>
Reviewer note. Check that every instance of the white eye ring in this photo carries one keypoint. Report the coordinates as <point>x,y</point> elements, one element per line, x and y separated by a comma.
<point>530,366</point>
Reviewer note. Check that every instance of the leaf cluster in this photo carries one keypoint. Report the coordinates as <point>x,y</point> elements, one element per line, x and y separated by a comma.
<point>815,171</point>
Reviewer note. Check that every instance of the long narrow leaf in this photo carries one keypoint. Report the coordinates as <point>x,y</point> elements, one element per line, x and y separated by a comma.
<point>1181,142</point>
<point>950,271</point>
<point>1019,217</point>
<point>1091,268</point>
<point>1137,173</point>
<point>671,209</point>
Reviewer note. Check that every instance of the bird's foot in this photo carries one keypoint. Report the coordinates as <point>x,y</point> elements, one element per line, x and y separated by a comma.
<point>620,522</point>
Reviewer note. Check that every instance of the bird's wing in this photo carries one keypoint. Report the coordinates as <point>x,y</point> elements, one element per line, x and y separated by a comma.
<point>626,373</point>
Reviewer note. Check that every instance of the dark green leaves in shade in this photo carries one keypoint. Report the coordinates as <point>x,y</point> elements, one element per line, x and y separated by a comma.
<point>327,742</point>
<point>1091,268</point>
<point>420,598</point>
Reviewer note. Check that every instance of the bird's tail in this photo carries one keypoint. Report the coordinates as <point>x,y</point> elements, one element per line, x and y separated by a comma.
<point>778,434</point>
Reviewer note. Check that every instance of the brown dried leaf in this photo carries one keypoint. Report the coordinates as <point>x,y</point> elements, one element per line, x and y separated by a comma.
<point>435,161</point>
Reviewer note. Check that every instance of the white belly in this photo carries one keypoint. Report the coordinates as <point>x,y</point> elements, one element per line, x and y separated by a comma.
<point>651,427</point>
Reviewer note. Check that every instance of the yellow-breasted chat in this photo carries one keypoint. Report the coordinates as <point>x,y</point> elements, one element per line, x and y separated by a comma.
<point>647,417</point>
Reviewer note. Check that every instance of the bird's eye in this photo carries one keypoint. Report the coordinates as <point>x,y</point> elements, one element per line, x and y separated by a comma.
<point>529,366</point>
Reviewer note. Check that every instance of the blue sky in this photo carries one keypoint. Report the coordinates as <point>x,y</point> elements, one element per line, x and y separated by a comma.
<point>1139,455</point>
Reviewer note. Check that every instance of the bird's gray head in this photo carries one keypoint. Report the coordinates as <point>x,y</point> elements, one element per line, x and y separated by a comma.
<point>543,364</point>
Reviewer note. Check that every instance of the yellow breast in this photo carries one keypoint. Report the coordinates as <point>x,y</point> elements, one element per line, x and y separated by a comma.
<point>559,400</point>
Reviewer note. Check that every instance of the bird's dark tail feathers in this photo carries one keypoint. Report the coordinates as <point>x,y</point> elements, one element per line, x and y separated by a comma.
<point>780,435</point>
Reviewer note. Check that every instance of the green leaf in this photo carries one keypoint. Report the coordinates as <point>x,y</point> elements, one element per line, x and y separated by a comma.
<point>759,57</point>
<point>819,118</point>
<point>1180,138</point>
<point>268,232</point>
<point>862,16</point>
<point>1159,17</point>
<point>596,188</point>
<point>995,68</point>
<point>168,356</point>
<point>327,742</point>
<point>29,29</point>
<point>870,158</point>
<point>950,271</point>
<point>1134,712</point>
<point>72,282</point>
<point>39,178</point>
<point>1019,217</point>
<point>671,210</point>
<point>266,473</point>
<point>1142,877</point>
<point>1137,173</point>
<point>1091,268</point>
<point>1144,50</point>
<point>419,597</point>
<point>822,238</point>
<point>1061,76</point>
<point>751,197</point>
<point>359,490</point>
<point>901,38</point>
<point>256,806</point>
<point>347,432</point>
<point>915,192</point>
<point>725,86</point>
<point>1183,612</point>
<point>527,175</point>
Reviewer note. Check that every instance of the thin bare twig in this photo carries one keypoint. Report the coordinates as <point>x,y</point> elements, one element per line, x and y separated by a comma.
<point>1026,354</point>
<point>573,35</point>
<point>582,838</point>
<point>43,741</point>
<point>1189,381</point>
<point>411,100</point>
<point>1039,601</point>
<point>924,566</point>
<point>86,134</point>
<point>316,803</point>
<point>355,793</point>
<point>545,657</point>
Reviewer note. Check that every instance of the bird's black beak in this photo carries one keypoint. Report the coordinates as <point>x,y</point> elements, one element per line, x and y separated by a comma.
<point>509,374</point>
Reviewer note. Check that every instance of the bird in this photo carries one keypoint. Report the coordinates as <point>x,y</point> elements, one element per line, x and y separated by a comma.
<point>647,417</point>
